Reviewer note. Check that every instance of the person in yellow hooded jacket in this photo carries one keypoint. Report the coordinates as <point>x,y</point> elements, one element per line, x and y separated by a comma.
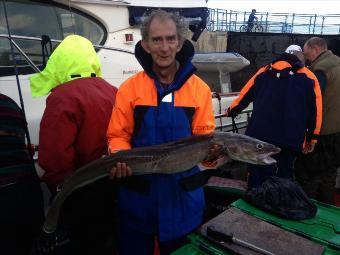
<point>72,134</point>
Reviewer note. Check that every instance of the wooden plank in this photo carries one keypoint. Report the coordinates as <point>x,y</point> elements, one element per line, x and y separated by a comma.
<point>210,42</point>
<point>221,43</point>
<point>260,233</point>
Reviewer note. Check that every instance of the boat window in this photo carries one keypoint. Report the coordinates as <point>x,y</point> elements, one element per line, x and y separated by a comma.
<point>73,23</point>
<point>37,18</point>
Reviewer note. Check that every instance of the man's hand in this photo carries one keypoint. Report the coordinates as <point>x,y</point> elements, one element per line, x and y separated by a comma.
<point>121,170</point>
<point>214,159</point>
<point>308,147</point>
<point>214,152</point>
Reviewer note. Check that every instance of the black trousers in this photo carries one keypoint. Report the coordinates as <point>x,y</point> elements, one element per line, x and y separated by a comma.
<point>89,217</point>
<point>250,26</point>
<point>316,172</point>
<point>21,216</point>
<point>257,174</point>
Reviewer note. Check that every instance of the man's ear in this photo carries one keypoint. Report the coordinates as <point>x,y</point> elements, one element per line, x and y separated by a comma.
<point>145,46</point>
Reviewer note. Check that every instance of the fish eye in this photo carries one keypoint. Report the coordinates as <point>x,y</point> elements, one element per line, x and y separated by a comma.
<point>259,146</point>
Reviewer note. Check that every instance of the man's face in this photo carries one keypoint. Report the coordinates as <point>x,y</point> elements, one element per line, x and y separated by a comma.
<point>310,53</point>
<point>163,43</point>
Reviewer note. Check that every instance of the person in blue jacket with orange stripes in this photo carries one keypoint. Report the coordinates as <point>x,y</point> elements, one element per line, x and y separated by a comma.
<point>287,112</point>
<point>163,103</point>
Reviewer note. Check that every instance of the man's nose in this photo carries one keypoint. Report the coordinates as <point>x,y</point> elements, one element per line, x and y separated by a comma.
<point>164,45</point>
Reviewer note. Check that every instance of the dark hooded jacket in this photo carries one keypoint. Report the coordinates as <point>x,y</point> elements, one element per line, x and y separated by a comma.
<point>287,103</point>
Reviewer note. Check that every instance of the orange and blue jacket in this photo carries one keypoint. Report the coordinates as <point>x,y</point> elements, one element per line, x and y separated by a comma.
<point>145,113</point>
<point>287,103</point>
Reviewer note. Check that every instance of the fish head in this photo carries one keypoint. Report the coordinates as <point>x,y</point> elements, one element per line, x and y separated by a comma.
<point>245,148</point>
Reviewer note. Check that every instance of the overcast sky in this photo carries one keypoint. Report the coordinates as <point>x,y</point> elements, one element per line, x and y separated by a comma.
<point>280,6</point>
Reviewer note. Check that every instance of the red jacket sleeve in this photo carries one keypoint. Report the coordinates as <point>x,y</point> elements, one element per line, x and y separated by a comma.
<point>56,155</point>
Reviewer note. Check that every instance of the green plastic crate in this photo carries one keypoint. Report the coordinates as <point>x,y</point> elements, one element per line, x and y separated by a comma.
<point>189,249</point>
<point>199,246</point>
<point>324,228</point>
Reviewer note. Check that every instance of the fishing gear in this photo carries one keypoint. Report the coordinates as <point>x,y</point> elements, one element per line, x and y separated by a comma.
<point>45,40</point>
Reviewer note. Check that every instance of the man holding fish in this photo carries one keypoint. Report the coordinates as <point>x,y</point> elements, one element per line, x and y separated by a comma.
<point>163,103</point>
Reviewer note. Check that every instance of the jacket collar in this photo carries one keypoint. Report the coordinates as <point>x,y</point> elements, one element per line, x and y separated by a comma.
<point>322,55</point>
<point>290,59</point>
<point>145,60</point>
<point>185,70</point>
<point>285,65</point>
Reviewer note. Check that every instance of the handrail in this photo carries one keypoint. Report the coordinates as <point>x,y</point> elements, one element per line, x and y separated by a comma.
<point>230,20</point>
<point>224,115</point>
<point>240,124</point>
<point>30,62</point>
<point>29,38</point>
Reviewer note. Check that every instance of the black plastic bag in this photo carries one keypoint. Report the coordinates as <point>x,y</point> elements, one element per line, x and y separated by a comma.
<point>283,198</point>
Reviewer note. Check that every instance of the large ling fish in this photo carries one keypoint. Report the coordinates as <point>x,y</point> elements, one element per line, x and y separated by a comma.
<point>165,158</point>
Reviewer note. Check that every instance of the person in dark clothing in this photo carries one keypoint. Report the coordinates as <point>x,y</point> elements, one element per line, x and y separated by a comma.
<point>316,172</point>
<point>21,212</point>
<point>251,20</point>
<point>286,112</point>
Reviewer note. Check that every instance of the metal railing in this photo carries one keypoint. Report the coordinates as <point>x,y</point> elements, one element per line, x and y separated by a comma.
<point>30,63</point>
<point>238,123</point>
<point>229,20</point>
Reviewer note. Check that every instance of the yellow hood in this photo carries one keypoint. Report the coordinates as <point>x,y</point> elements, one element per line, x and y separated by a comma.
<point>74,58</point>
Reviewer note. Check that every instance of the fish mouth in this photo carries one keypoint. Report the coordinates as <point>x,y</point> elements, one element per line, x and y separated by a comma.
<point>267,159</point>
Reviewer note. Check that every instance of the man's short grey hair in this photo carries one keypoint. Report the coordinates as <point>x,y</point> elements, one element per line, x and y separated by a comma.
<point>181,27</point>
<point>316,42</point>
